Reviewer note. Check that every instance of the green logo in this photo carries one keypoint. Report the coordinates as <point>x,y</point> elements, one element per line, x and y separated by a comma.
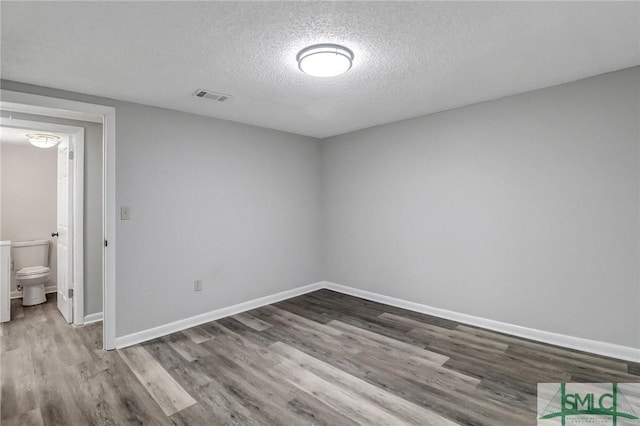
<point>586,400</point>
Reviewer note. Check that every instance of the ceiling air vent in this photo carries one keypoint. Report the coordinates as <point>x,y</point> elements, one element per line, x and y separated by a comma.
<point>210,94</point>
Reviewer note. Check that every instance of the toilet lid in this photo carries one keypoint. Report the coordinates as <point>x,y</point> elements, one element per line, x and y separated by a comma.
<point>33,270</point>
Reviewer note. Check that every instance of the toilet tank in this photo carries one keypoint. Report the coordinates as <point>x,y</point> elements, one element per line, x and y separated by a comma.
<point>29,253</point>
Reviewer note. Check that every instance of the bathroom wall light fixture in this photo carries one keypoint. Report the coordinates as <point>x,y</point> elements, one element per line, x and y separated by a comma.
<point>325,60</point>
<point>42,140</point>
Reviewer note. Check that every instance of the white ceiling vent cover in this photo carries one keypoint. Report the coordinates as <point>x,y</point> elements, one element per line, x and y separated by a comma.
<point>210,94</point>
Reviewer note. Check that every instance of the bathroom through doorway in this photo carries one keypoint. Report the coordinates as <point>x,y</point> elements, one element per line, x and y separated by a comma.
<point>99,121</point>
<point>46,235</point>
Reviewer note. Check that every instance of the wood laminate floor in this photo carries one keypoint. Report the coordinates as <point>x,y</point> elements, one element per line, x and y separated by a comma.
<point>319,359</point>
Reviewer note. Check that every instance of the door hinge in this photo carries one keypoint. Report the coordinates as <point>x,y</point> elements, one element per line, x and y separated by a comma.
<point>71,155</point>
<point>70,292</point>
<point>106,243</point>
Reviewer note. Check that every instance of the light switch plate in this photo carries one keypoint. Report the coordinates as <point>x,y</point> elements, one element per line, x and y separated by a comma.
<point>125,213</point>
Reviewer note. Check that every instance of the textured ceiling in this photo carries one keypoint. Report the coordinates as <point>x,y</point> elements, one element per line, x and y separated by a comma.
<point>411,58</point>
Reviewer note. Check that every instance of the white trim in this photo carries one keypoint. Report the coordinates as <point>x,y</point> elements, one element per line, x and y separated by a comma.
<point>586,345</point>
<point>163,330</point>
<point>47,289</point>
<point>109,228</point>
<point>55,107</point>
<point>579,343</point>
<point>88,319</point>
<point>5,281</point>
<point>77,144</point>
<point>43,105</point>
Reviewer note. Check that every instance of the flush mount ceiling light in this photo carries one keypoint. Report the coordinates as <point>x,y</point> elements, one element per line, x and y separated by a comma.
<point>42,140</point>
<point>325,60</point>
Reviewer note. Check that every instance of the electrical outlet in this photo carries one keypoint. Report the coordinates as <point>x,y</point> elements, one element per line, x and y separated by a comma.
<point>125,213</point>
<point>197,285</point>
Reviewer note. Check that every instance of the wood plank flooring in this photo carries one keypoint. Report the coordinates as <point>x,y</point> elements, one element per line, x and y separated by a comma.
<point>319,359</point>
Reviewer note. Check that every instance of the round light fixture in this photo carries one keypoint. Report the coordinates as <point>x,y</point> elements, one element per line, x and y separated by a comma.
<point>42,140</point>
<point>325,60</point>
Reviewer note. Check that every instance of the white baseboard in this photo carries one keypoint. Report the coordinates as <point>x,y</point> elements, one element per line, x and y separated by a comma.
<point>578,343</point>
<point>47,289</point>
<point>88,319</point>
<point>163,330</point>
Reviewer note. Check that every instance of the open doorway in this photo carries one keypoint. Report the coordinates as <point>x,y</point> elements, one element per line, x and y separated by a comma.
<point>42,168</point>
<point>50,110</point>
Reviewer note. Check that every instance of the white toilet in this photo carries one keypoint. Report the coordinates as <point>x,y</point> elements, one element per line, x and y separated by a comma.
<point>31,263</point>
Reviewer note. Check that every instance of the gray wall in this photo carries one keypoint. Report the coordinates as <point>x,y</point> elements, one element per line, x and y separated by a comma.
<point>233,205</point>
<point>523,210</point>
<point>28,179</point>
<point>92,205</point>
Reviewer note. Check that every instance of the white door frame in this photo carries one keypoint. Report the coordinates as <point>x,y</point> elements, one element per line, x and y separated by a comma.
<point>76,144</point>
<point>55,107</point>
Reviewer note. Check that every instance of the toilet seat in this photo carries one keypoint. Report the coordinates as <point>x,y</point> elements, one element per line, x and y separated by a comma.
<point>32,271</point>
